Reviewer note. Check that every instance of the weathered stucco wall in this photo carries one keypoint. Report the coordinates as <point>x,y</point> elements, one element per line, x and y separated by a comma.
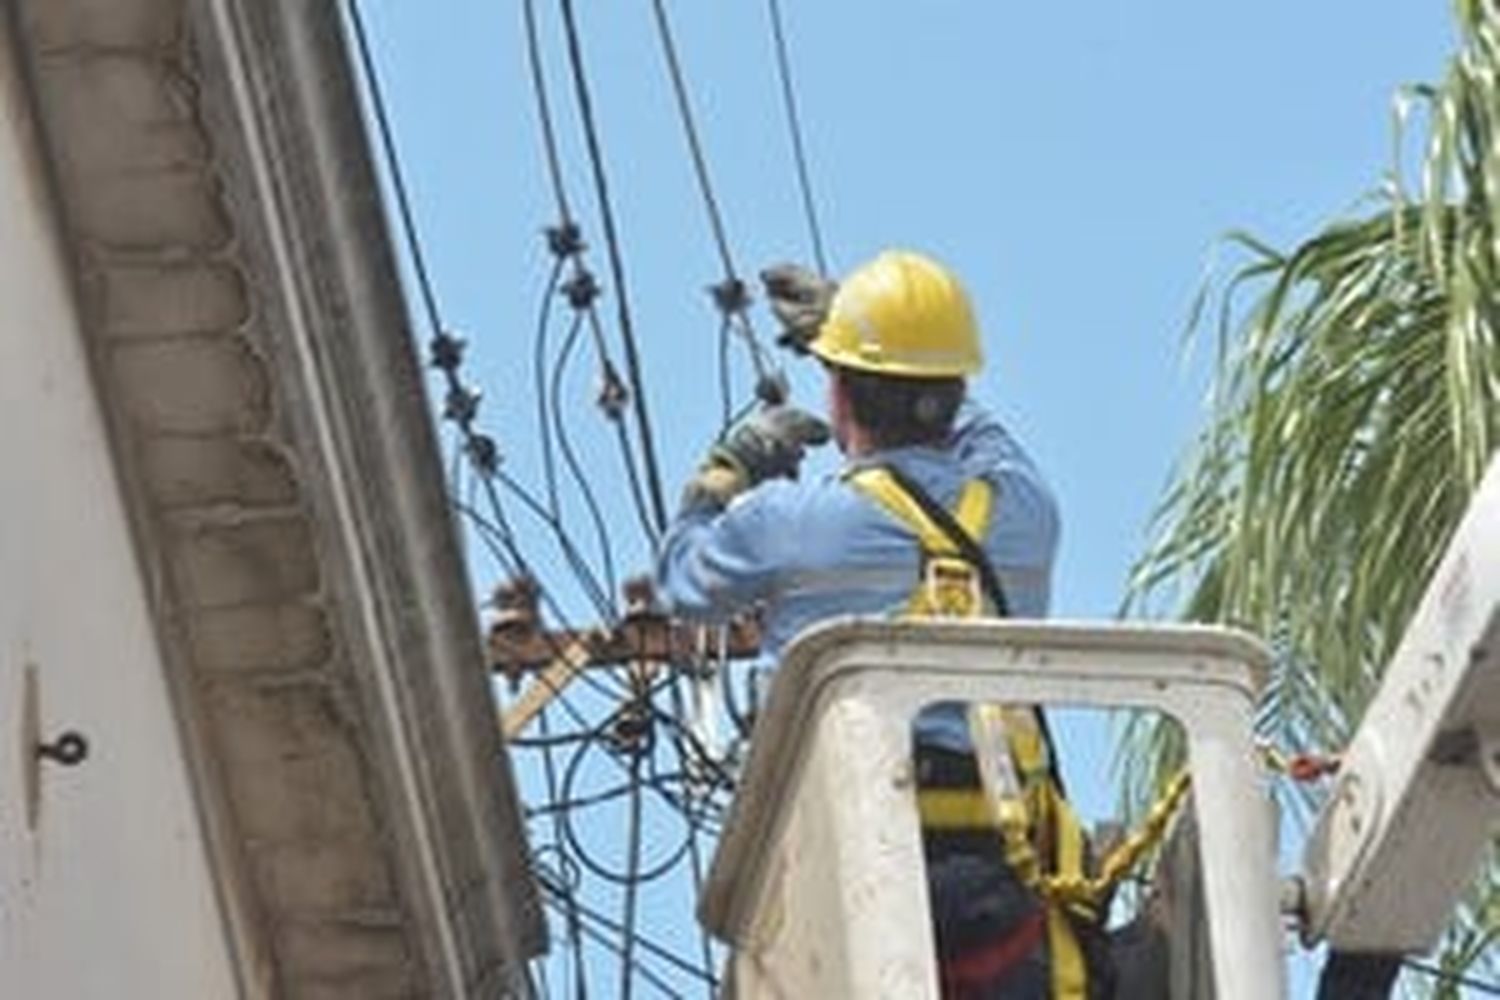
<point>104,885</point>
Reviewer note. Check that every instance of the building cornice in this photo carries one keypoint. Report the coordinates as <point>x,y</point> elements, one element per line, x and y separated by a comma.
<point>242,304</point>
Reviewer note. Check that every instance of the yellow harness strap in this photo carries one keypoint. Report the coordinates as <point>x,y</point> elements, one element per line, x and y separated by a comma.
<point>950,587</point>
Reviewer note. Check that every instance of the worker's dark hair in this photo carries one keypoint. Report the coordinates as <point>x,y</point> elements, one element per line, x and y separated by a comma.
<point>900,411</point>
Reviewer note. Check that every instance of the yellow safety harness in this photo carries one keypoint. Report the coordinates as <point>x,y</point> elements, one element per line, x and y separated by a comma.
<point>1017,794</point>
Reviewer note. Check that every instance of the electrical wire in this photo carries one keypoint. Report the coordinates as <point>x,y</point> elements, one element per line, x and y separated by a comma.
<point>394,172</point>
<point>489,535</point>
<point>740,718</point>
<point>492,534</point>
<point>673,788</point>
<point>557,804</point>
<point>566,241</point>
<point>637,490</point>
<point>726,386</point>
<point>616,264</point>
<point>575,467</point>
<point>544,112</point>
<point>633,873</point>
<point>647,945</point>
<point>730,294</point>
<point>695,143</point>
<point>633,877</point>
<point>602,600</point>
<point>543,742</point>
<point>463,403</point>
<point>695,856</point>
<point>539,382</point>
<point>604,939</point>
<point>549,770</point>
<point>794,126</point>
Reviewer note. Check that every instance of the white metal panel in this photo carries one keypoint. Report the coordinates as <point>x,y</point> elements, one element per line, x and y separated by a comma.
<point>1416,800</point>
<point>104,890</point>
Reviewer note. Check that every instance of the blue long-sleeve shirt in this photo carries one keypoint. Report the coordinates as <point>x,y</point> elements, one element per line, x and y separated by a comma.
<point>807,551</point>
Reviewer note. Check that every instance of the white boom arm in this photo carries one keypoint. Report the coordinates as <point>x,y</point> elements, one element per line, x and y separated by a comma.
<point>1418,795</point>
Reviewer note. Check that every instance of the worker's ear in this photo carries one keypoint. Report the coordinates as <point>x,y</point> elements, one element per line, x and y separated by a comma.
<point>840,413</point>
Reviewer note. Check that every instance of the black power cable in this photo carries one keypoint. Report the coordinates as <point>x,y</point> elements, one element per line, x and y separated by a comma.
<point>612,945</point>
<point>616,265</point>
<point>462,403</point>
<point>393,166</point>
<point>539,381</point>
<point>566,243</point>
<point>695,855</point>
<point>695,143</point>
<point>794,125</point>
<point>730,294</point>
<point>544,113</point>
<point>633,874</point>
<point>726,387</point>
<point>575,467</point>
<point>647,945</point>
<point>497,535</point>
<point>549,771</point>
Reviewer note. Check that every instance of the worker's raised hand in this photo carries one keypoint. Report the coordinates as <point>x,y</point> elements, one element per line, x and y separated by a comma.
<point>771,441</point>
<point>768,444</point>
<point>800,300</point>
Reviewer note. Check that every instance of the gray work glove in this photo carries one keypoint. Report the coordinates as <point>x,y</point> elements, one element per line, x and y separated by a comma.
<point>767,444</point>
<point>800,299</point>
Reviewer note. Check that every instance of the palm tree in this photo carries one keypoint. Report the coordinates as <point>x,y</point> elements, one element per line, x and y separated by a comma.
<point>1356,405</point>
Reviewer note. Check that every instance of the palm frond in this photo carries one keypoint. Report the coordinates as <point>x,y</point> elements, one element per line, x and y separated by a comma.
<point>1355,406</point>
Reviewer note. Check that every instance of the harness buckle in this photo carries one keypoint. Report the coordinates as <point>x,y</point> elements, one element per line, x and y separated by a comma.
<point>951,588</point>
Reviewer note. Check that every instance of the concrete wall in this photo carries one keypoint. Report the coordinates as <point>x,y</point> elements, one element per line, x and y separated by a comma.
<point>104,888</point>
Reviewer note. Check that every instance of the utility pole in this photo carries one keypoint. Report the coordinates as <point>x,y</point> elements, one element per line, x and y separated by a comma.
<point>645,639</point>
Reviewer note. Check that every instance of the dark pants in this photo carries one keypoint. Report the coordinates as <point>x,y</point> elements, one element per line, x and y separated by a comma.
<point>992,932</point>
<point>990,929</point>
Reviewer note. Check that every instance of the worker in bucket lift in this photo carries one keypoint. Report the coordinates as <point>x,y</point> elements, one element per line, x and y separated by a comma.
<point>937,510</point>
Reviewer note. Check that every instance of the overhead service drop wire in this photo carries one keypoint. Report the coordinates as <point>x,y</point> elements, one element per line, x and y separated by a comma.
<point>695,856</point>
<point>544,112</point>
<point>633,480</point>
<point>539,379</point>
<point>549,769</point>
<point>550,894</point>
<point>632,885</point>
<point>579,271</point>
<point>730,294</point>
<point>495,534</point>
<point>393,167</point>
<point>498,535</point>
<point>575,467</point>
<point>695,144</point>
<point>616,267</point>
<point>582,572</point>
<point>418,261</point>
<point>794,125</point>
<point>646,944</point>
<point>570,777</point>
<point>726,386</point>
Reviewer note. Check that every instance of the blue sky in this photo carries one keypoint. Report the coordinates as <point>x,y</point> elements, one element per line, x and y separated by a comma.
<point>1074,162</point>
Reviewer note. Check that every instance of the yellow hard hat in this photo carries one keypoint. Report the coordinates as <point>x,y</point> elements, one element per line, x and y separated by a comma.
<point>901,314</point>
